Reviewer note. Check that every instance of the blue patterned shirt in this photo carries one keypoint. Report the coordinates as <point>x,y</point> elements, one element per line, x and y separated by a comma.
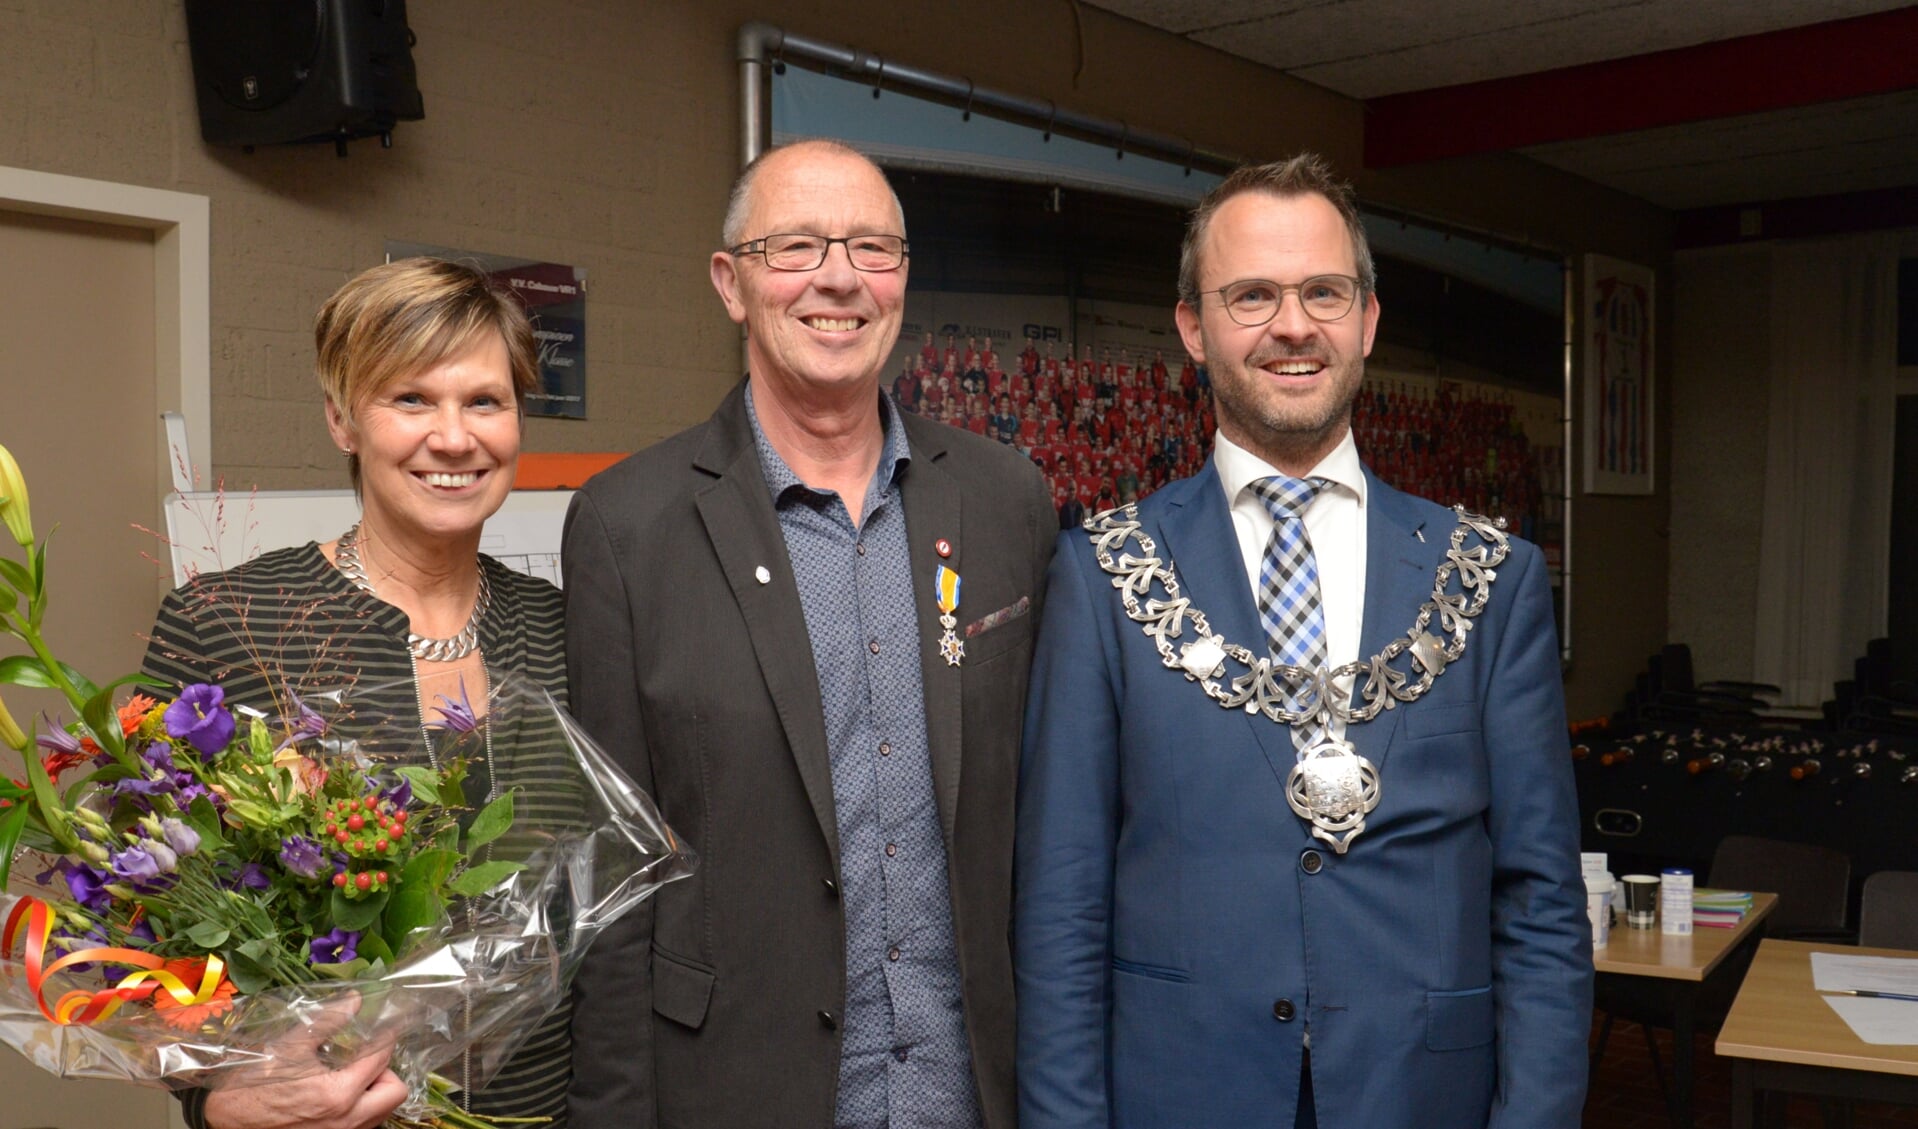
<point>904,1060</point>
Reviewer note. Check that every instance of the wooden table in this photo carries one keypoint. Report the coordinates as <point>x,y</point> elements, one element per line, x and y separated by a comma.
<point>1781,1036</point>
<point>1669,970</point>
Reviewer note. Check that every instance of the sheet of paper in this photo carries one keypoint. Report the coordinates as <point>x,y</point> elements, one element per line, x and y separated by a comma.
<point>1879,1022</point>
<point>1839,972</point>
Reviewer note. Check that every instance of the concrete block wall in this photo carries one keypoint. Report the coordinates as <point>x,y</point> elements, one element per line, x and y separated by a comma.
<point>603,133</point>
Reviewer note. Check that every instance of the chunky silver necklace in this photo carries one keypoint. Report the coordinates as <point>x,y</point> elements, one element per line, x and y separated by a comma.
<point>346,558</point>
<point>1331,786</point>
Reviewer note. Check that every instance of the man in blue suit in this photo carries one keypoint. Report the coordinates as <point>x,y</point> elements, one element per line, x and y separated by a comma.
<point>1237,909</point>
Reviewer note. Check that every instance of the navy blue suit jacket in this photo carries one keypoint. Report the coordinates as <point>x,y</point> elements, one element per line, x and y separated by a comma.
<point>1172,942</point>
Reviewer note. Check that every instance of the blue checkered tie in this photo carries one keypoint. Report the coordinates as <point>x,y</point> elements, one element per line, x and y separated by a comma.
<point>1289,602</point>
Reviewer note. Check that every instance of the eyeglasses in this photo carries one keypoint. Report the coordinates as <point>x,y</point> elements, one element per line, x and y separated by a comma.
<point>1255,301</point>
<point>800,252</point>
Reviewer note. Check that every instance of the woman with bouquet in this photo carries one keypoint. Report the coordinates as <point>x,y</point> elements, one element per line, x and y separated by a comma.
<point>424,365</point>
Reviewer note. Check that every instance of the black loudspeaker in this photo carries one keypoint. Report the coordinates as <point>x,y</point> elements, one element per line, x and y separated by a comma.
<point>274,71</point>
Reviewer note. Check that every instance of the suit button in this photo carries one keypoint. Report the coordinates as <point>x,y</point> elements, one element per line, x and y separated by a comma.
<point>827,1021</point>
<point>831,886</point>
<point>1281,1011</point>
<point>1311,862</point>
<point>892,849</point>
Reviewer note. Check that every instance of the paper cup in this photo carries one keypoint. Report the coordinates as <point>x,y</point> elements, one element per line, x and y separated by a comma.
<point>1641,900</point>
<point>1598,907</point>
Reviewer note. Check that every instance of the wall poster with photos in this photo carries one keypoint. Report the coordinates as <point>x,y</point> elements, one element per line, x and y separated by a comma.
<point>1085,373</point>
<point>1039,310</point>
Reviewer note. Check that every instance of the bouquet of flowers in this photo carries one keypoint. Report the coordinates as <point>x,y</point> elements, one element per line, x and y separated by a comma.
<point>206,882</point>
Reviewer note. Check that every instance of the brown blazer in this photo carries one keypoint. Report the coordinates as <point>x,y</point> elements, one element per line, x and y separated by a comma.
<point>716,1005</point>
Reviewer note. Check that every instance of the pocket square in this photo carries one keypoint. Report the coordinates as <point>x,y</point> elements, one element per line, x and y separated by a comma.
<point>1003,615</point>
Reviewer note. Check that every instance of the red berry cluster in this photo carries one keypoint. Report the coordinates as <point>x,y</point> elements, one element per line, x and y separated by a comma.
<point>362,882</point>
<point>370,828</point>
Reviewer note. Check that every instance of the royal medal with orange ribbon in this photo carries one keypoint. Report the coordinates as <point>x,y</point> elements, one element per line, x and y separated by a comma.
<point>946,594</point>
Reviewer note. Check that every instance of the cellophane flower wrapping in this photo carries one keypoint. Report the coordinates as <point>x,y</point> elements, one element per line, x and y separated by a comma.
<point>458,996</point>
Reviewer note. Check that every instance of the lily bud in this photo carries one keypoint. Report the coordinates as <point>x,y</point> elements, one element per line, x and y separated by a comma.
<point>13,500</point>
<point>10,733</point>
<point>92,821</point>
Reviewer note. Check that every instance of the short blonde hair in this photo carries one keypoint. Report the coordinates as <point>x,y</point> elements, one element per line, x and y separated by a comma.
<point>408,315</point>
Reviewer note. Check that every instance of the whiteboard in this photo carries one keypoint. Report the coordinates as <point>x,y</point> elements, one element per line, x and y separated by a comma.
<point>208,531</point>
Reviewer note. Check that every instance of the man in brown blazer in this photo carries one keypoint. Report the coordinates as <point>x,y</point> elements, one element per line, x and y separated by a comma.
<point>805,627</point>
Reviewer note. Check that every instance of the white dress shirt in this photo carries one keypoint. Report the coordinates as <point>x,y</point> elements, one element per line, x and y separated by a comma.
<point>1335,525</point>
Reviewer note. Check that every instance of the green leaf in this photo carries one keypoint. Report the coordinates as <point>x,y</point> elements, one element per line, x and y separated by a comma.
<point>37,603</point>
<point>425,782</point>
<point>346,970</point>
<point>12,823</point>
<point>452,785</point>
<point>493,821</point>
<point>429,868</point>
<point>248,975</point>
<point>476,880</point>
<point>209,935</point>
<point>17,576</point>
<point>373,947</point>
<point>251,965</point>
<point>356,914</point>
<point>28,670</point>
<point>411,907</point>
<point>205,819</point>
<point>97,712</point>
<point>262,949</point>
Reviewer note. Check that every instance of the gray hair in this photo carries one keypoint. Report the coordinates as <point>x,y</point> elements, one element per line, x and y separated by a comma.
<point>1304,174</point>
<point>739,203</point>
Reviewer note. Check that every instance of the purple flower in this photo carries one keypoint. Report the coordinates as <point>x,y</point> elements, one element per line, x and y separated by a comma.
<point>249,876</point>
<point>163,855</point>
<point>183,839</point>
<point>302,856</point>
<point>136,864</point>
<point>399,795</point>
<point>199,718</point>
<point>87,885</point>
<point>304,725</point>
<point>55,739</point>
<point>142,931</point>
<point>336,947</point>
<point>455,716</point>
<point>142,786</point>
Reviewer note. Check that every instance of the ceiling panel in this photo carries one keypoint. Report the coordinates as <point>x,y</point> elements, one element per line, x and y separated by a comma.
<point>1371,48</point>
<point>1182,16</point>
<point>1811,151</point>
<point>1368,48</point>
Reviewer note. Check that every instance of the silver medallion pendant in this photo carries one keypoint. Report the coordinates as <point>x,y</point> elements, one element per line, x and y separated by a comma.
<point>1333,788</point>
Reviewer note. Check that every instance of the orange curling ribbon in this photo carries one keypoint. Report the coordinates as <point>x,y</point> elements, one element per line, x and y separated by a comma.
<point>82,1007</point>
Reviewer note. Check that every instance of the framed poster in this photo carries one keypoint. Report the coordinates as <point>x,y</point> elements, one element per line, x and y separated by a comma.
<point>1619,315</point>
<point>554,295</point>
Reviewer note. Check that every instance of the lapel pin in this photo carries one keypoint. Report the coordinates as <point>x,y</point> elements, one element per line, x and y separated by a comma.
<point>943,547</point>
<point>763,575</point>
